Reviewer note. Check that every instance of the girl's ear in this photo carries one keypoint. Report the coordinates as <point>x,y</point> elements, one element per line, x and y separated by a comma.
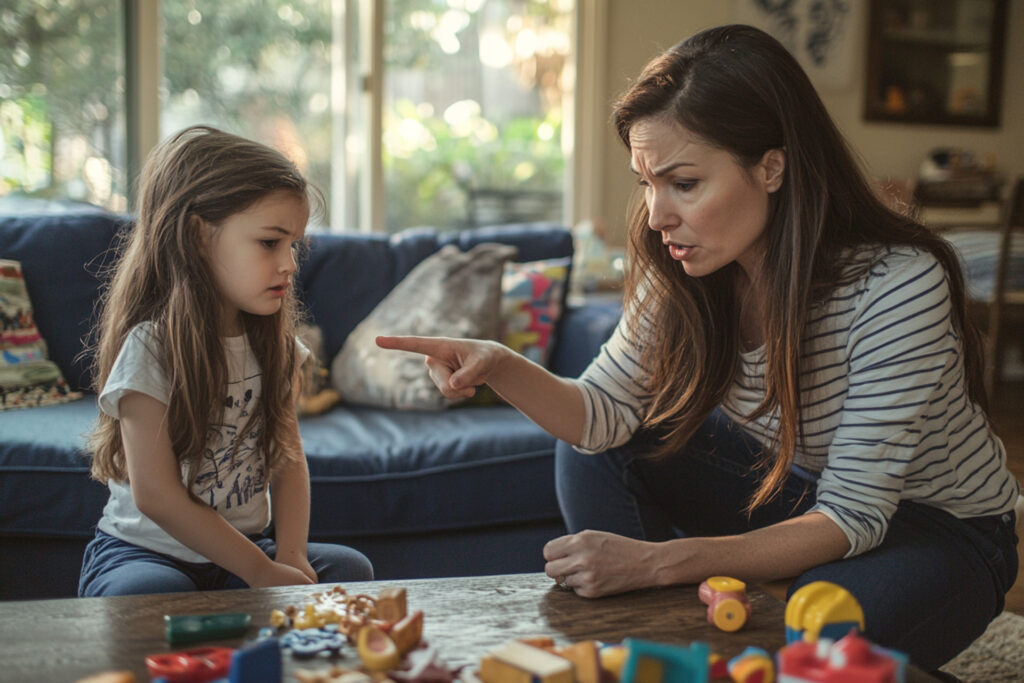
<point>773,169</point>
<point>203,230</point>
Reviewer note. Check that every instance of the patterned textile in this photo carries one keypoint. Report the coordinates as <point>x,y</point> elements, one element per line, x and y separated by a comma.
<point>27,378</point>
<point>531,305</point>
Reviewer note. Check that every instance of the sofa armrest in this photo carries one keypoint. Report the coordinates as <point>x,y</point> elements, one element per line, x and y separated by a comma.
<point>581,332</point>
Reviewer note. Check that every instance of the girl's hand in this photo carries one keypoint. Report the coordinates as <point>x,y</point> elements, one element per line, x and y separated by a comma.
<point>598,563</point>
<point>279,574</point>
<point>302,564</point>
<point>457,366</point>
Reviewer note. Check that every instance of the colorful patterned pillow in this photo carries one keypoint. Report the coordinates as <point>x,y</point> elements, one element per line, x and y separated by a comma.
<point>531,304</point>
<point>27,378</point>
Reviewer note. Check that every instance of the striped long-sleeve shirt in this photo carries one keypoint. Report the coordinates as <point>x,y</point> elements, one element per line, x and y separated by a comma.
<point>885,412</point>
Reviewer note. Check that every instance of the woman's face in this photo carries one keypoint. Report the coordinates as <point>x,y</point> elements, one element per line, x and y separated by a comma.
<point>709,210</point>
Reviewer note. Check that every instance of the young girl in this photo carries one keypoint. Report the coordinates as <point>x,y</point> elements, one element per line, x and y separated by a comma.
<point>197,374</point>
<point>794,389</point>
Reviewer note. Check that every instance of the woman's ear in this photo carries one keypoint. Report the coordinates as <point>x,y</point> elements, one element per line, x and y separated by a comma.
<point>773,169</point>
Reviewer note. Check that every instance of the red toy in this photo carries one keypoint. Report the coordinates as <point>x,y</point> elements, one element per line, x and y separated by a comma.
<point>851,659</point>
<point>198,665</point>
<point>726,598</point>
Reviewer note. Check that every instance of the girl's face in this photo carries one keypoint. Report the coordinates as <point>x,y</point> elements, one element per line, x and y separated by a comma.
<point>252,256</point>
<point>709,209</point>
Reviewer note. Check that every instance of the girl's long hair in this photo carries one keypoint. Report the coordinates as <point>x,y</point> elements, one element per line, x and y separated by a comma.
<point>201,175</point>
<point>738,89</point>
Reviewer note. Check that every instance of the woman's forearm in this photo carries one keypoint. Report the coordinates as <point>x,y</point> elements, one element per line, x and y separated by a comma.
<point>553,403</point>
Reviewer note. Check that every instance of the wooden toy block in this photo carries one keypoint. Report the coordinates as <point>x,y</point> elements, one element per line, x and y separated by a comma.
<point>110,677</point>
<point>585,661</point>
<point>407,632</point>
<point>391,604</point>
<point>516,662</point>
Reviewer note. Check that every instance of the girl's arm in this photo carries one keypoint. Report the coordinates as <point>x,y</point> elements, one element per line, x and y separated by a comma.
<point>159,493</point>
<point>289,498</point>
<point>459,366</point>
<point>597,563</point>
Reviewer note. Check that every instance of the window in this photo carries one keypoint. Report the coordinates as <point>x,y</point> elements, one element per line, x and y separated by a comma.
<point>448,113</point>
<point>62,94</point>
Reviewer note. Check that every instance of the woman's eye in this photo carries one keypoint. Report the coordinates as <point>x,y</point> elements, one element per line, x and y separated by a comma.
<point>269,244</point>
<point>685,185</point>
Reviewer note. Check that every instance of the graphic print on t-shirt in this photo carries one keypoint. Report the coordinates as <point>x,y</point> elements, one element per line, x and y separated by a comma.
<point>229,480</point>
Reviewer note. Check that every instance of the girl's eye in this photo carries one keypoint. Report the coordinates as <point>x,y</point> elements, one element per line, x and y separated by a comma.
<point>685,185</point>
<point>642,183</point>
<point>269,244</point>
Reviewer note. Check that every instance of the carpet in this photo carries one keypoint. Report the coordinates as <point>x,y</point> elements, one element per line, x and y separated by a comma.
<point>996,657</point>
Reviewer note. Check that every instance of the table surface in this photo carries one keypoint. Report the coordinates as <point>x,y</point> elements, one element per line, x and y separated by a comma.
<point>464,618</point>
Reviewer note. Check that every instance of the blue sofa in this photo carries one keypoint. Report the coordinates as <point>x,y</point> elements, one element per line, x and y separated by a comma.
<point>463,491</point>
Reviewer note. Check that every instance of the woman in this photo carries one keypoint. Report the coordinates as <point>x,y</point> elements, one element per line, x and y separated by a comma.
<point>794,389</point>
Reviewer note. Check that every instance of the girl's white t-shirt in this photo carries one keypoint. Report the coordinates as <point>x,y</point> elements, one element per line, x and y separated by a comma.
<point>236,487</point>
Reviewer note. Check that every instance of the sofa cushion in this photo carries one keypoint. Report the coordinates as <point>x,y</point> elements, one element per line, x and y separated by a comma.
<point>446,469</point>
<point>374,472</point>
<point>62,257</point>
<point>345,276</point>
<point>451,292</point>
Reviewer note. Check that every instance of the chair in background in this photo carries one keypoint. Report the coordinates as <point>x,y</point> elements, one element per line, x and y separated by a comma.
<point>994,269</point>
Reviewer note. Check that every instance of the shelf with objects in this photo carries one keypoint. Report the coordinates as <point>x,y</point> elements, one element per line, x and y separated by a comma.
<point>936,61</point>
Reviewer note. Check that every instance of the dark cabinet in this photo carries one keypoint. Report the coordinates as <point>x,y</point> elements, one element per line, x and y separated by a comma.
<point>936,61</point>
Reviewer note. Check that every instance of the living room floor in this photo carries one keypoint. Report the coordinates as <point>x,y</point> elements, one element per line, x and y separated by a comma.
<point>1007,413</point>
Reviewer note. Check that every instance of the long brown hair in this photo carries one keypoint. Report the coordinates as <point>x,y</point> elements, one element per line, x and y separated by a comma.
<point>738,89</point>
<point>200,175</point>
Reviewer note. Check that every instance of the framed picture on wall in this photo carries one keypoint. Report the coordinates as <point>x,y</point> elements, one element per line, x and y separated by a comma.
<point>825,36</point>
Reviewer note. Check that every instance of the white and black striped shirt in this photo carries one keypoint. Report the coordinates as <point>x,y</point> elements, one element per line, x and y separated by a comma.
<point>885,413</point>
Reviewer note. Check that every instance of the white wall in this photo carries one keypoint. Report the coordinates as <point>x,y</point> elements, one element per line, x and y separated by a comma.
<point>639,29</point>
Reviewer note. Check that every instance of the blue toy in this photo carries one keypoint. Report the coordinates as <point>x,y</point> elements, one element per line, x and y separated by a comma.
<point>650,662</point>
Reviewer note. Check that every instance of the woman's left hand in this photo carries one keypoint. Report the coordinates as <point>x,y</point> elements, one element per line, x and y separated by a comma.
<point>598,563</point>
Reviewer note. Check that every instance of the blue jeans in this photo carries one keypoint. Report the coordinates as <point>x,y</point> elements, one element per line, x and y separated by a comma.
<point>115,567</point>
<point>929,589</point>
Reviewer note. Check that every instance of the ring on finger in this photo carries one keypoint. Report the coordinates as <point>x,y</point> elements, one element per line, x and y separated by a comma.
<point>562,584</point>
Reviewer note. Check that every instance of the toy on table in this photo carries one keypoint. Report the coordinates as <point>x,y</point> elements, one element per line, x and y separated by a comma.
<point>517,662</point>
<point>198,665</point>
<point>192,628</point>
<point>109,677</point>
<point>304,643</point>
<point>822,610</point>
<point>851,659</point>
<point>651,662</point>
<point>726,598</point>
<point>753,665</point>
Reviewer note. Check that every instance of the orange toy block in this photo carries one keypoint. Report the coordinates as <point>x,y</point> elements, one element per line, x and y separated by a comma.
<point>585,660</point>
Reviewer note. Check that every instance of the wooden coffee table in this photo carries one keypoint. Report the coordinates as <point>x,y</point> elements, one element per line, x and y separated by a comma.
<point>64,640</point>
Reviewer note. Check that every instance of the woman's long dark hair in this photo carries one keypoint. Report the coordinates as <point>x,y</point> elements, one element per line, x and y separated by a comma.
<point>740,90</point>
<point>199,176</point>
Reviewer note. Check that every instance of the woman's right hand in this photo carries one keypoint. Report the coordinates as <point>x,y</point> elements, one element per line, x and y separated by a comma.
<point>274,573</point>
<point>457,366</point>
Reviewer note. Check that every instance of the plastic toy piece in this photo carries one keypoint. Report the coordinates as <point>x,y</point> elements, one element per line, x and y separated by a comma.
<point>650,662</point>
<point>726,598</point>
<point>851,659</point>
<point>376,649</point>
<point>517,662</point>
<point>198,665</point>
<point>585,661</point>
<point>192,628</point>
<point>391,604</point>
<point>336,674</point>
<point>718,667</point>
<point>753,665</point>
<point>822,610</point>
<point>407,632</point>
<point>257,663</point>
<point>306,643</point>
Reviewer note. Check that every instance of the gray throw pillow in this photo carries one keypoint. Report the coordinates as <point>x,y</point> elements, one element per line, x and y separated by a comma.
<point>451,294</point>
